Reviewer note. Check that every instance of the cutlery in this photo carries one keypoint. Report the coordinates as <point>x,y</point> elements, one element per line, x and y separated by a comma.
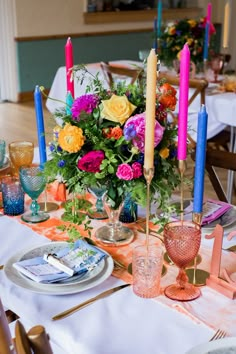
<point>218,335</point>
<point>88,302</point>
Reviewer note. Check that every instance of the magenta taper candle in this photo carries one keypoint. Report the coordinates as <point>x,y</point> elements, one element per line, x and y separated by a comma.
<point>69,65</point>
<point>183,102</point>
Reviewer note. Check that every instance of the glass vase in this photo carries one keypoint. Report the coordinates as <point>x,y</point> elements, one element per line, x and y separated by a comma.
<point>114,233</point>
<point>129,210</point>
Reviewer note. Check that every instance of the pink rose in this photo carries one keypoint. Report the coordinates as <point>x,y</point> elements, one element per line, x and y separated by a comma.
<point>125,172</point>
<point>137,169</point>
<point>91,161</point>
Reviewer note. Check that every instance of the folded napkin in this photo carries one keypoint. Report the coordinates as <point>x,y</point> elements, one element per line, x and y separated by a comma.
<point>79,257</point>
<point>212,210</point>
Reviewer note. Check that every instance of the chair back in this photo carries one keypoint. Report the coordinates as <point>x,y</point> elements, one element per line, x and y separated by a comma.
<point>199,89</point>
<point>112,72</point>
<point>218,159</point>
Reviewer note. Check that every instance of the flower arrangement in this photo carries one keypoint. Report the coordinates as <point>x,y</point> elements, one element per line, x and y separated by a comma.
<point>100,141</point>
<point>177,33</point>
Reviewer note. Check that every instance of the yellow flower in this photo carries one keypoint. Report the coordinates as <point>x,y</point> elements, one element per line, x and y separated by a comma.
<point>192,23</point>
<point>164,153</point>
<point>117,109</point>
<point>71,138</point>
<point>189,41</point>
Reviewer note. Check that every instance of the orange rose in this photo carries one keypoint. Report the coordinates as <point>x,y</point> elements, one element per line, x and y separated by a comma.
<point>167,96</point>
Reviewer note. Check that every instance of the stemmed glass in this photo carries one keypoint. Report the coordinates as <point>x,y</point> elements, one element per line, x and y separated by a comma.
<point>216,64</point>
<point>114,233</point>
<point>98,212</point>
<point>182,241</point>
<point>33,183</point>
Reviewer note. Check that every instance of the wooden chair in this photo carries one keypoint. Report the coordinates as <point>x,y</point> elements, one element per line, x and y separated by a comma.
<point>218,159</point>
<point>112,72</point>
<point>199,86</point>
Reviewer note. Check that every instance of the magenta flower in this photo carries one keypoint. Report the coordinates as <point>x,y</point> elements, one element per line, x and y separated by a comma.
<point>91,161</point>
<point>137,169</point>
<point>138,121</point>
<point>84,103</point>
<point>125,172</point>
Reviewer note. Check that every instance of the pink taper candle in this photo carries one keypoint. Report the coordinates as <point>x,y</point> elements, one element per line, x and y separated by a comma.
<point>69,65</point>
<point>208,17</point>
<point>183,102</point>
<point>150,109</point>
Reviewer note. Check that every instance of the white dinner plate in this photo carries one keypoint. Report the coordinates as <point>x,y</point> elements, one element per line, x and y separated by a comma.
<point>226,220</point>
<point>220,346</point>
<point>93,278</point>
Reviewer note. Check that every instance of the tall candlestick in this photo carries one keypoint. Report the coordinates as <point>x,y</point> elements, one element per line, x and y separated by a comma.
<point>69,65</point>
<point>159,18</point>
<point>40,125</point>
<point>206,41</point>
<point>200,160</point>
<point>226,27</point>
<point>150,109</point>
<point>183,102</point>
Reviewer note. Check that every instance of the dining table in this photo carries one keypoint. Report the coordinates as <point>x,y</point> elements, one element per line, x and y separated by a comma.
<point>121,323</point>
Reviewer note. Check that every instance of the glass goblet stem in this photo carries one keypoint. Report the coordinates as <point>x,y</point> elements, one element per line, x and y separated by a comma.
<point>34,207</point>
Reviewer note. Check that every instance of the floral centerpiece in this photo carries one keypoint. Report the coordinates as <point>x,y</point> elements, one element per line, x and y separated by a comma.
<point>177,33</point>
<point>100,141</point>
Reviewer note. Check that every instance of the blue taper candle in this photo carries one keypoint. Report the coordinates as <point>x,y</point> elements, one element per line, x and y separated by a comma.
<point>159,18</point>
<point>200,160</point>
<point>40,125</point>
<point>206,41</point>
<point>155,34</point>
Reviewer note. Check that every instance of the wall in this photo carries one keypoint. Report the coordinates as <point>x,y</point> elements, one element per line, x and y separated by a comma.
<point>43,27</point>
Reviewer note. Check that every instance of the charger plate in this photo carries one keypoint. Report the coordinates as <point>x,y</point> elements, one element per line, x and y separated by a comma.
<point>220,346</point>
<point>74,285</point>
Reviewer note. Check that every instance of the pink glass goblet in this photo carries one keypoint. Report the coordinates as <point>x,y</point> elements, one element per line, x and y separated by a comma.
<point>216,64</point>
<point>182,241</point>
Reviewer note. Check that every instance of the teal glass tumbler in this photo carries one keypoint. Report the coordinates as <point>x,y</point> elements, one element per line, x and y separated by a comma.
<point>2,152</point>
<point>13,196</point>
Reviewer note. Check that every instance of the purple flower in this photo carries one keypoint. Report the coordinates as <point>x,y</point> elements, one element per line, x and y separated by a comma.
<point>125,172</point>
<point>85,103</point>
<point>51,147</point>
<point>139,123</point>
<point>129,132</point>
<point>61,163</point>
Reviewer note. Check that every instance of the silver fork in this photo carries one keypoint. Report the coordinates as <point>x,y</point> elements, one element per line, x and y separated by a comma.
<point>218,335</point>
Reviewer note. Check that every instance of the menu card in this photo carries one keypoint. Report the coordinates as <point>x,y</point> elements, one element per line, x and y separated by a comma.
<point>76,258</point>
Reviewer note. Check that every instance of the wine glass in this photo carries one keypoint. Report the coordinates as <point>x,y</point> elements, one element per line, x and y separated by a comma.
<point>182,241</point>
<point>33,183</point>
<point>98,212</point>
<point>216,64</point>
<point>114,233</point>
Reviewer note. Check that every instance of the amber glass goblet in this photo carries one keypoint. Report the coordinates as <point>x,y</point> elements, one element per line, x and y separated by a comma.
<point>21,153</point>
<point>182,241</point>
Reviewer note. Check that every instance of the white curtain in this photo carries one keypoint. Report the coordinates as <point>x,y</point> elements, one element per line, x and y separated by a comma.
<point>8,67</point>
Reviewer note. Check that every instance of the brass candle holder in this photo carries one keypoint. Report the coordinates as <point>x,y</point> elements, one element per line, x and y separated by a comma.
<point>148,174</point>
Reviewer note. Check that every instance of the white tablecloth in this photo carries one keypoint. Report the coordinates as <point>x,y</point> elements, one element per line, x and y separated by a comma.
<point>220,107</point>
<point>120,324</point>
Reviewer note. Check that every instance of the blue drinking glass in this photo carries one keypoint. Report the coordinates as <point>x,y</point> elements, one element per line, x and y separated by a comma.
<point>33,182</point>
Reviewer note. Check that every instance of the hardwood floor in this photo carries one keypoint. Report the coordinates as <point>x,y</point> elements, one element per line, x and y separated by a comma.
<point>18,122</point>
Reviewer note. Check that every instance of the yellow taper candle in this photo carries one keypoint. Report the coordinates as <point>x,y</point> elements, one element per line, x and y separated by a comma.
<point>150,109</point>
<point>226,25</point>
